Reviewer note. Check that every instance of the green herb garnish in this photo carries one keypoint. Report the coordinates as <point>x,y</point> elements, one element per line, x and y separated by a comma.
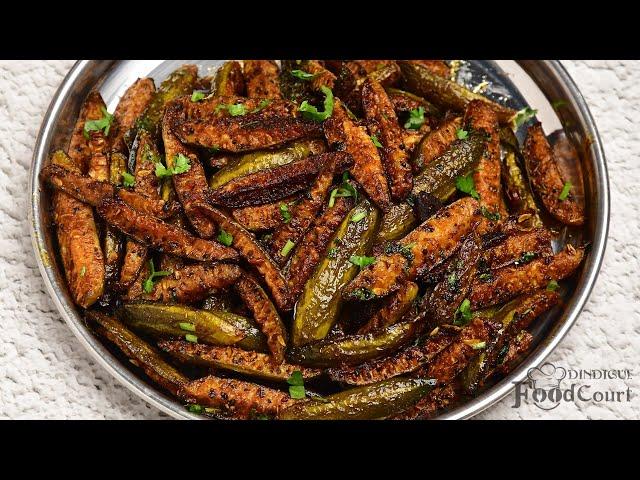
<point>461,133</point>
<point>552,286</point>
<point>234,110</point>
<point>287,248</point>
<point>462,315</point>
<point>103,124</point>
<point>523,116</point>
<point>147,286</point>
<point>526,257</point>
<point>296,385</point>
<point>344,190</point>
<point>225,238</point>
<point>311,113</point>
<point>187,327</point>
<point>375,141</point>
<point>494,216</point>
<point>358,216</point>
<point>181,164</point>
<point>284,211</point>
<point>466,185</point>
<point>128,180</point>
<point>565,191</point>
<point>362,261</point>
<point>191,338</point>
<point>262,105</point>
<point>416,119</point>
<point>302,75</point>
<point>195,408</point>
<point>197,95</point>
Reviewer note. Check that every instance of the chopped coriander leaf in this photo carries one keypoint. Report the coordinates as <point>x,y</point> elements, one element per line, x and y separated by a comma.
<point>462,315</point>
<point>128,180</point>
<point>461,133</point>
<point>296,385</point>
<point>362,261</point>
<point>186,326</point>
<point>375,141</point>
<point>191,338</point>
<point>485,277</point>
<point>181,164</point>
<point>416,119</point>
<point>103,124</point>
<point>311,113</point>
<point>466,185</point>
<point>522,116</point>
<point>197,95</point>
<point>302,75</point>
<point>195,408</point>
<point>287,248</point>
<point>234,110</point>
<point>162,171</point>
<point>332,253</point>
<point>565,191</point>
<point>262,105</point>
<point>344,190</point>
<point>296,378</point>
<point>297,391</point>
<point>552,286</point>
<point>147,285</point>
<point>526,257</point>
<point>494,216</point>
<point>225,238</point>
<point>358,216</point>
<point>284,211</point>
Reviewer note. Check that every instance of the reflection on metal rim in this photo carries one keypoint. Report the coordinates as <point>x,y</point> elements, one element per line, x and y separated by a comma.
<point>548,76</point>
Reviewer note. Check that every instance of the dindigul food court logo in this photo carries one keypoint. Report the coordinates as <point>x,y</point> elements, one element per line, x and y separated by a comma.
<point>549,385</point>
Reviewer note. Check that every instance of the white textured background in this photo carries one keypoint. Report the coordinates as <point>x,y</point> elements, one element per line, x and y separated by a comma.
<point>45,373</point>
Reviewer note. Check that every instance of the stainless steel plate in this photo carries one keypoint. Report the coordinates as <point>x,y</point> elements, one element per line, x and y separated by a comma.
<point>536,83</point>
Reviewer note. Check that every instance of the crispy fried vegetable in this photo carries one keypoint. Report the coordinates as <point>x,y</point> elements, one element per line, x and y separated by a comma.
<point>518,248</point>
<point>252,364</point>
<point>265,315</point>
<point>445,93</point>
<point>429,405</point>
<point>453,359</point>
<point>274,125</point>
<point>304,212</point>
<point>211,327</point>
<point>193,283</point>
<point>436,67</point>
<point>318,308</point>
<point>132,105</point>
<point>162,236</point>
<point>547,182</point>
<point>313,246</point>
<point>98,164</point>
<point>516,187</point>
<point>262,80</point>
<point>453,289</point>
<point>146,183</point>
<point>181,82</point>
<point>368,171</point>
<point>265,159</point>
<point>393,309</point>
<point>79,149</point>
<point>78,242</point>
<point>191,185</point>
<point>437,179</point>
<point>94,192</point>
<point>511,281</point>
<point>268,216</point>
<point>435,144</point>
<point>354,349</point>
<point>479,116</point>
<point>383,123</point>
<point>513,316</point>
<point>276,183</point>
<point>140,353</point>
<point>380,400</point>
<point>417,253</point>
<point>229,80</point>
<point>404,102</point>
<point>404,361</point>
<point>245,243</point>
<point>322,76</point>
<point>236,398</point>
